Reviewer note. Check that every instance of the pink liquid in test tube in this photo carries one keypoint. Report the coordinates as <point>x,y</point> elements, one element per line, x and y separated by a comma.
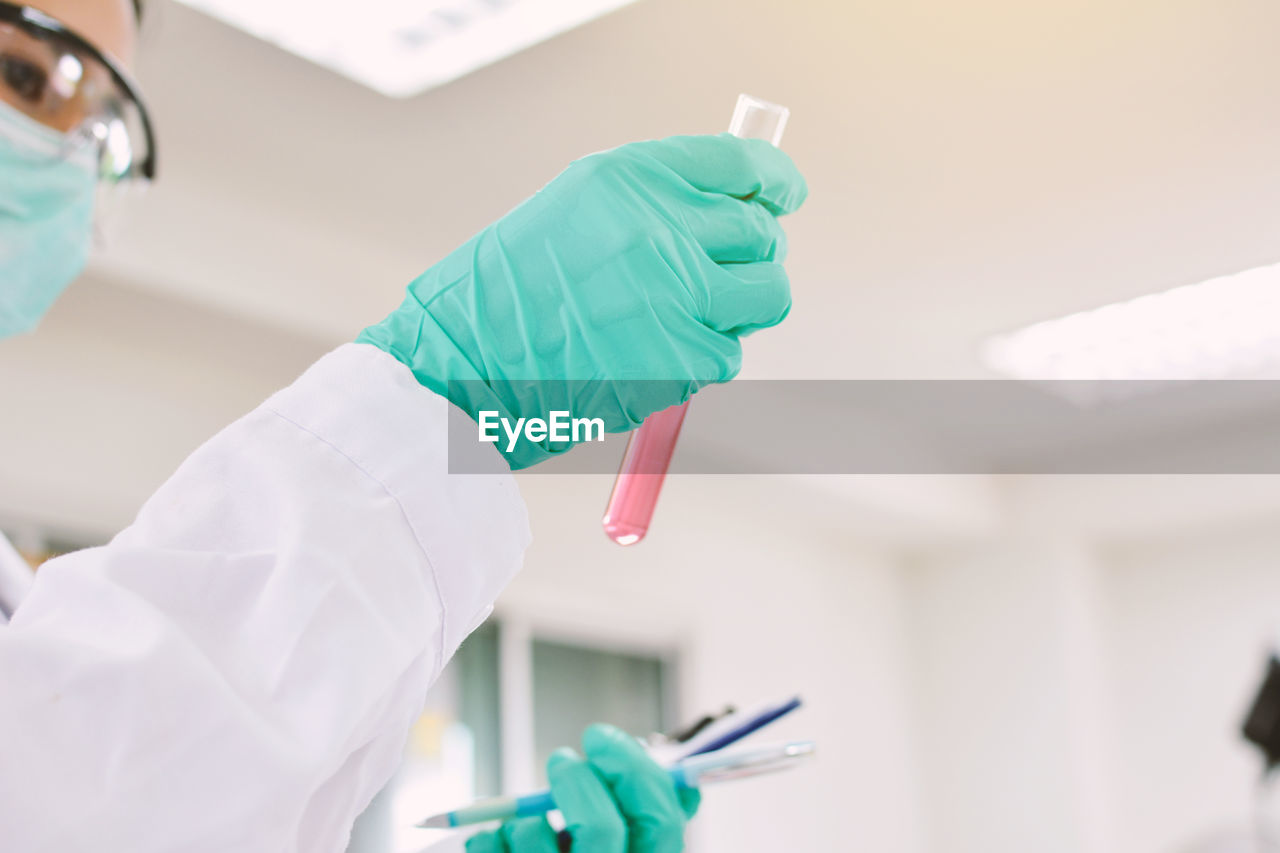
<point>648,455</point>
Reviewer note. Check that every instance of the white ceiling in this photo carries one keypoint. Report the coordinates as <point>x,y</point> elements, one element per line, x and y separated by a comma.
<point>973,166</point>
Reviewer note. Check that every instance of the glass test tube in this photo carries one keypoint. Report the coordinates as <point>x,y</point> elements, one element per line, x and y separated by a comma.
<point>648,455</point>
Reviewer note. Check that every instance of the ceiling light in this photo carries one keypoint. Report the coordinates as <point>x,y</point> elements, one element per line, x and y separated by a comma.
<point>1223,328</point>
<point>403,47</point>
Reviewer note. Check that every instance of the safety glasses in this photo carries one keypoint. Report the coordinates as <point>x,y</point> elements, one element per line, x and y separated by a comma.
<point>68,86</point>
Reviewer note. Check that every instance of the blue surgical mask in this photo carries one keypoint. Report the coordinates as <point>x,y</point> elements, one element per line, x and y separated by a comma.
<point>46,218</point>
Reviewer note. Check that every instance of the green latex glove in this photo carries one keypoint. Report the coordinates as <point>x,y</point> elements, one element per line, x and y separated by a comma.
<point>646,262</point>
<point>617,800</point>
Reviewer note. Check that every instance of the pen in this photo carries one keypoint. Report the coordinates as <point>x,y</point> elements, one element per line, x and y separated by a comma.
<point>690,773</point>
<point>726,730</point>
<point>734,728</point>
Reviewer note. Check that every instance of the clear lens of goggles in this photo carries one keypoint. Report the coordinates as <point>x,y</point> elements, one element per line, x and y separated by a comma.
<point>66,89</point>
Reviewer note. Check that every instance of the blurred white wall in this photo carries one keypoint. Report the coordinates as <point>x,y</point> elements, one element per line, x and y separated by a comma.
<point>1189,620</point>
<point>1005,689</point>
<point>1080,680</point>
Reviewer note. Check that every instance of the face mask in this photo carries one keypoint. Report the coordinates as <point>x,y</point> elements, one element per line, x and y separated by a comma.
<point>46,218</point>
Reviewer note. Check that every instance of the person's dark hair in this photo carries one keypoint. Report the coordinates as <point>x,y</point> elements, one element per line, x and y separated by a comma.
<point>137,9</point>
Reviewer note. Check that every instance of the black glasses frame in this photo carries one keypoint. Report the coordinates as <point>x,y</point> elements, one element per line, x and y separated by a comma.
<point>28,17</point>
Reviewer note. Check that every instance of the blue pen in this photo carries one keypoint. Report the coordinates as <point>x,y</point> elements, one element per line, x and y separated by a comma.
<point>730,730</point>
<point>689,773</point>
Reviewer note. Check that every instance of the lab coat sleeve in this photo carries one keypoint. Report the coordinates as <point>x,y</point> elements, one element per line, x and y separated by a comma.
<point>237,670</point>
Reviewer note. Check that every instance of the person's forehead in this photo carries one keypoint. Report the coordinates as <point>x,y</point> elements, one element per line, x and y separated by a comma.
<point>109,24</point>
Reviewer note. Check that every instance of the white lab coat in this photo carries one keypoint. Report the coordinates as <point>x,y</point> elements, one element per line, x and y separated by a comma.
<point>237,670</point>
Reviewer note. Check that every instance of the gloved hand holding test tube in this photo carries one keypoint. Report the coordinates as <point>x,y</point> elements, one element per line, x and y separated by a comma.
<point>649,451</point>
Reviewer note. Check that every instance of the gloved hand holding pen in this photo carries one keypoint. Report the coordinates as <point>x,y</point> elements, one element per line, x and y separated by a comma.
<point>616,800</point>
<point>646,262</point>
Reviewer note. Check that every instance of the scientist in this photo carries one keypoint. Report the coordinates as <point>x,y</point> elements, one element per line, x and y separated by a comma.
<point>237,670</point>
